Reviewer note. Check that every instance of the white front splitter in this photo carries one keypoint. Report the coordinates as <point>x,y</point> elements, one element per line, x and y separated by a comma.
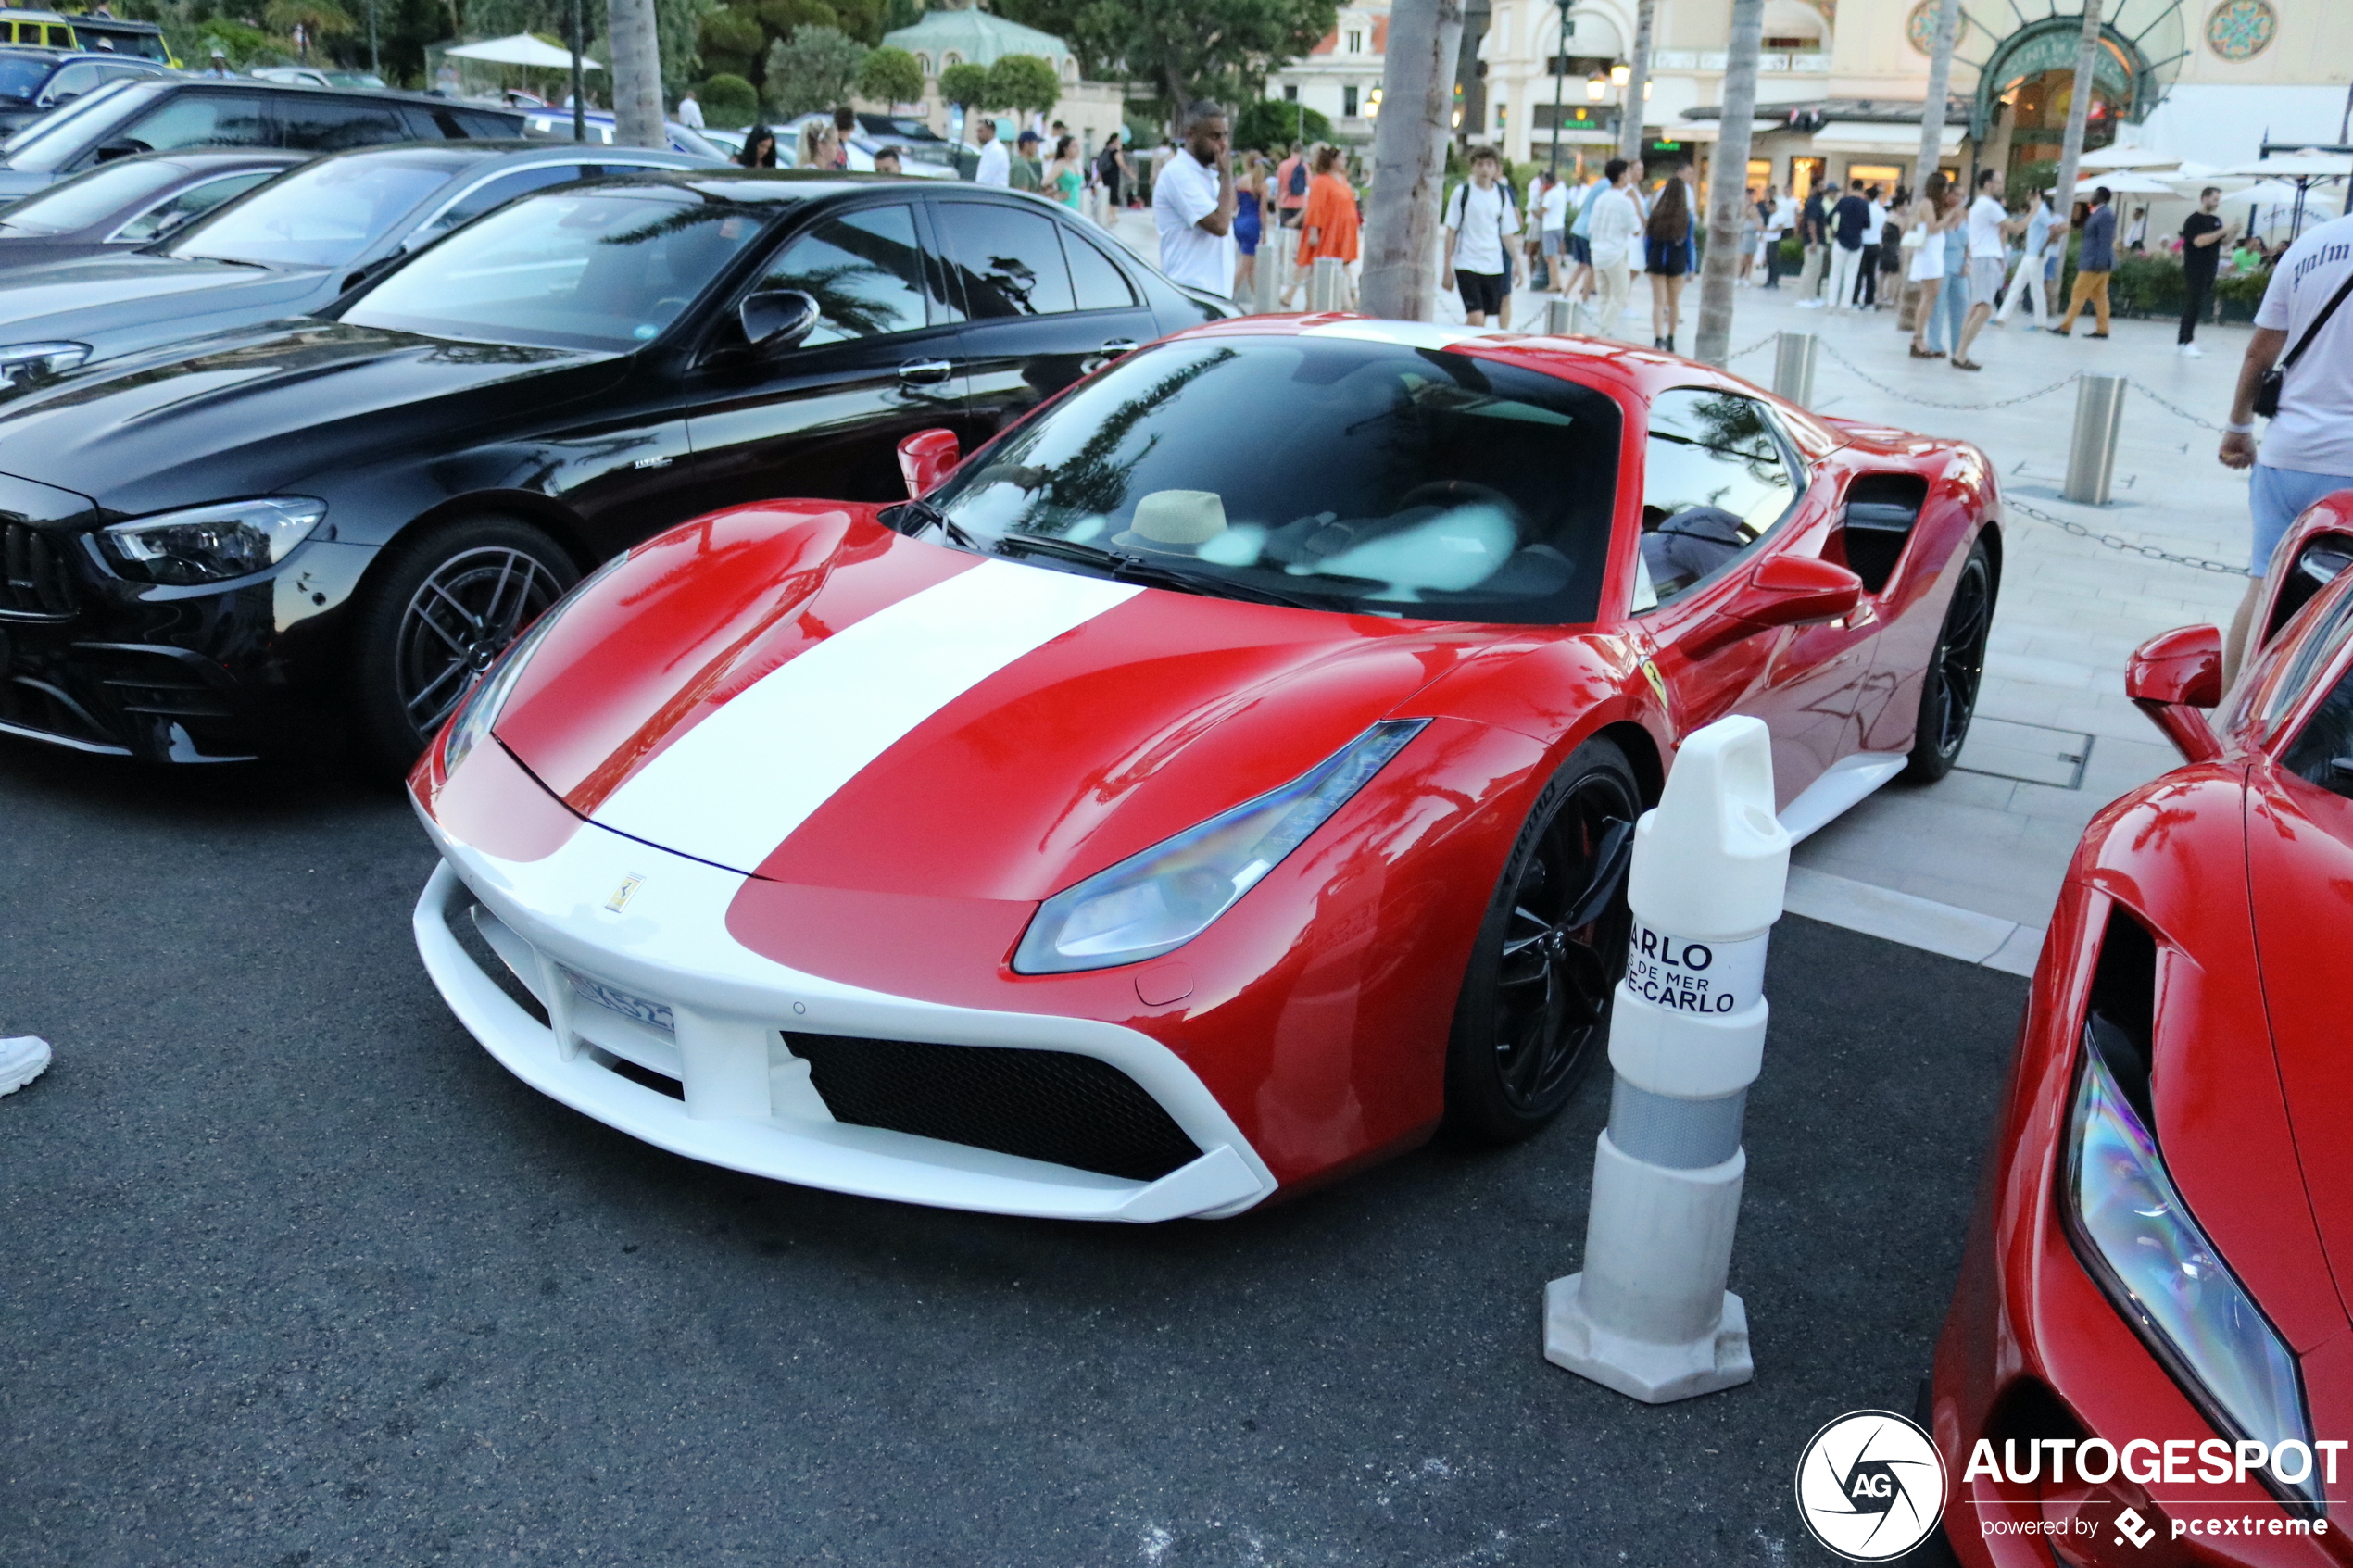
<point>748,1104</point>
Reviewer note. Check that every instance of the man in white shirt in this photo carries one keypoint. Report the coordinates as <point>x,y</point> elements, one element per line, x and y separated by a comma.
<point>1778,223</point>
<point>1193,205</point>
<point>2027,281</point>
<point>1616,227</point>
<point>996,163</point>
<point>1480,262</point>
<point>1989,244</point>
<point>689,111</point>
<point>1552,226</point>
<point>2308,452</point>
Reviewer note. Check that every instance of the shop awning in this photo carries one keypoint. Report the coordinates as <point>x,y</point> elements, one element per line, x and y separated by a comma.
<point>1867,136</point>
<point>1712,130</point>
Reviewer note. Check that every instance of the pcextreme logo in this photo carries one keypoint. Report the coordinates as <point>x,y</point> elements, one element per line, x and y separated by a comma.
<point>2171,1470</point>
<point>1871,1486</point>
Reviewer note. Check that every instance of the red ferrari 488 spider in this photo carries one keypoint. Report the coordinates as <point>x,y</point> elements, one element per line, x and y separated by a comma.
<point>2149,1359</point>
<point>1213,784</point>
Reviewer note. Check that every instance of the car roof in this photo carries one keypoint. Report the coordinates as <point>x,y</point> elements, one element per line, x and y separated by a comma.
<point>259,84</point>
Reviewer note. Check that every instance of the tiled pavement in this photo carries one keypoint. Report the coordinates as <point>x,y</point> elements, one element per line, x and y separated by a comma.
<point>1971,866</point>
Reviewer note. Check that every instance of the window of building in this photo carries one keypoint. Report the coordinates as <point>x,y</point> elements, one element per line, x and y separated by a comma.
<point>1290,92</point>
<point>1355,41</point>
<point>923,58</point>
<point>1348,102</point>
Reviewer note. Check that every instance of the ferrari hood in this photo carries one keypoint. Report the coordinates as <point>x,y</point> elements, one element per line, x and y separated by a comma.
<point>813,699</point>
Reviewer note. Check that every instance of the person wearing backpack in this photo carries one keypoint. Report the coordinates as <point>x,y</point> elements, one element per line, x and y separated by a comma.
<point>2308,451</point>
<point>1292,180</point>
<point>1481,262</point>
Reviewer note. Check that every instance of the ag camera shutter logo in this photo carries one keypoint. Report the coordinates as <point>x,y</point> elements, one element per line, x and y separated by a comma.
<point>1871,1486</point>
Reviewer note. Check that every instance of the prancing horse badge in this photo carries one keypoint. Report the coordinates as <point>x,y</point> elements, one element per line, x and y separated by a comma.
<point>629,884</point>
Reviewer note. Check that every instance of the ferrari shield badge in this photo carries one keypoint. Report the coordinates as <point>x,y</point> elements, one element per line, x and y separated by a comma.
<point>1658,683</point>
<point>629,884</point>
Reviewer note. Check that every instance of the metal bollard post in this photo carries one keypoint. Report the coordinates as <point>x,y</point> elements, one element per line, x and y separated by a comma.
<point>1560,317</point>
<point>1649,1315</point>
<point>1793,355</point>
<point>1274,256</point>
<point>1327,285</point>
<point>2091,457</point>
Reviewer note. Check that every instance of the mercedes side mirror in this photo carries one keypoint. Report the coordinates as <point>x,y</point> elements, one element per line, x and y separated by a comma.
<point>114,150</point>
<point>2173,675</point>
<point>775,320</point>
<point>1780,591</point>
<point>925,458</point>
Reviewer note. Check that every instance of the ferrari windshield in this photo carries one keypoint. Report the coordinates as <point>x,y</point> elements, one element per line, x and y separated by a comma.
<point>1344,469</point>
<point>326,214</point>
<point>599,269</point>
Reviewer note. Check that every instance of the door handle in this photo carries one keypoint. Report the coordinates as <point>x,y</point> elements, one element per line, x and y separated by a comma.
<point>926,372</point>
<point>1117,346</point>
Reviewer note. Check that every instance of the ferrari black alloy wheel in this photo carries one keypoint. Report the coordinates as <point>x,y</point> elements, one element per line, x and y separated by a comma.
<point>1948,696</point>
<point>1534,1009</point>
<point>442,612</point>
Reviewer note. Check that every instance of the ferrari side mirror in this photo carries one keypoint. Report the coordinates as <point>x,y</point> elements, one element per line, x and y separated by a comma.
<point>1780,591</point>
<point>925,458</point>
<point>775,320</point>
<point>2170,677</point>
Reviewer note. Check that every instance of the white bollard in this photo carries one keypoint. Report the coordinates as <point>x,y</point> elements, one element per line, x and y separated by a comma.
<point>1327,285</point>
<point>1649,1315</point>
<point>1275,254</point>
<point>1560,317</point>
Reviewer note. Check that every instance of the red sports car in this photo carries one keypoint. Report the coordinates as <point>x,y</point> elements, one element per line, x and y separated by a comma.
<point>2149,1359</point>
<point>1210,785</point>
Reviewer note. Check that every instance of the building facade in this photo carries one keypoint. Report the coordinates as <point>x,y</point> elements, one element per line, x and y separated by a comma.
<point>1841,82</point>
<point>1340,77</point>
<point>1091,109</point>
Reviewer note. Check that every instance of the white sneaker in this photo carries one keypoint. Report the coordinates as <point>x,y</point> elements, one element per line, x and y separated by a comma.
<point>21,1061</point>
<point>2190,351</point>
<point>1809,305</point>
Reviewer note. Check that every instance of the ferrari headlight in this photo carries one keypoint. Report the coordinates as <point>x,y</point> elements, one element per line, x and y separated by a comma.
<point>1168,894</point>
<point>214,544</point>
<point>2165,1276</point>
<point>22,362</point>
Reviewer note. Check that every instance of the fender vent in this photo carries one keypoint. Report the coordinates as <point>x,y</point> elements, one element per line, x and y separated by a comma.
<point>1880,510</point>
<point>1054,1106</point>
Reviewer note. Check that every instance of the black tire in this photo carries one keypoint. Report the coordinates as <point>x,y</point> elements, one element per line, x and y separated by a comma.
<point>1948,696</point>
<point>436,614</point>
<point>1534,1009</point>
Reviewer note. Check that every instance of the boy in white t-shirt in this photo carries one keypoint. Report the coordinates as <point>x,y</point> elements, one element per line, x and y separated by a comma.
<point>1481,261</point>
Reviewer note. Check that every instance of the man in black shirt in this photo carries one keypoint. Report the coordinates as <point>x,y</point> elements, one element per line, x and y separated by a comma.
<point>2201,254</point>
<point>1849,218</point>
<point>1813,230</point>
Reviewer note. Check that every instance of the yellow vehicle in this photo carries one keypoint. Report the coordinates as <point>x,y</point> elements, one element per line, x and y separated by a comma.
<point>139,40</point>
<point>44,30</point>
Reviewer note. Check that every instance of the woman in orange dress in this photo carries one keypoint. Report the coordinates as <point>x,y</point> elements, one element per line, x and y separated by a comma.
<point>1329,227</point>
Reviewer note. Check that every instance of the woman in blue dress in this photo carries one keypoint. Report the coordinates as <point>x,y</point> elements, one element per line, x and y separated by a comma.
<point>1250,194</point>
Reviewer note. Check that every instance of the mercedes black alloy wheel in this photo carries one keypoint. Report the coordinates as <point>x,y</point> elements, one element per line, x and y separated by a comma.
<point>1534,1009</point>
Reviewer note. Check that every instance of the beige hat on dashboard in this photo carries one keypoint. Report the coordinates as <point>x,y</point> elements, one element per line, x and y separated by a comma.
<point>1173,521</point>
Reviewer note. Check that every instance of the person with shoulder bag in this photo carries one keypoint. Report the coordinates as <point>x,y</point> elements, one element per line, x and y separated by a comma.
<point>2307,394</point>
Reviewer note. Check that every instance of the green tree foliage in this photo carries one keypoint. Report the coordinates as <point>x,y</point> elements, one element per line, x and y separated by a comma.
<point>892,75</point>
<point>965,85</point>
<point>815,68</point>
<point>729,101</point>
<point>1268,123</point>
<point>1184,49</point>
<point>1022,82</point>
<point>734,43</point>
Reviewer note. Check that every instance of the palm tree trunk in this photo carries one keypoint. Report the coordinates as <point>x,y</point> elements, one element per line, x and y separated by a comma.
<point>1939,75</point>
<point>1728,184</point>
<point>1409,158</point>
<point>2079,108</point>
<point>635,70</point>
<point>1630,115</point>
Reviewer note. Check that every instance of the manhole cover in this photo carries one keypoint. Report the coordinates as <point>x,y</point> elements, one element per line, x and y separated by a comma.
<point>2033,753</point>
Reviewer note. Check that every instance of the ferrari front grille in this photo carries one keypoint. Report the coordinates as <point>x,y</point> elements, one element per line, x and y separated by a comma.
<point>34,579</point>
<point>1054,1106</point>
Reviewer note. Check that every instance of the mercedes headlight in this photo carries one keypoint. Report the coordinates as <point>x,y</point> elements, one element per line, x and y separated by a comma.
<point>479,709</point>
<point>2158,1268</point>
<point>214,544</point>
<point>23,362</point>
<point>1168,894</point>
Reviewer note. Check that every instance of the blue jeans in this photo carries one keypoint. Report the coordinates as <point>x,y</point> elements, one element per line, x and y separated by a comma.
<point>2277,497</point>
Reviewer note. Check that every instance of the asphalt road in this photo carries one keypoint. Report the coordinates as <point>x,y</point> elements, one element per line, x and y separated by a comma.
<point>292,1273</point>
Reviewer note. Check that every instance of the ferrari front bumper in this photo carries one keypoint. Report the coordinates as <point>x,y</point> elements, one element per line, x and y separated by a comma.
<point>650,988</point>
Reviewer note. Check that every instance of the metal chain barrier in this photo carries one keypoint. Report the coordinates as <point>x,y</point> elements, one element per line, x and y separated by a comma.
<point>2142,387</point>
<point>1764,342</point>
<point>2130,547</point>
<point>1930,403</point>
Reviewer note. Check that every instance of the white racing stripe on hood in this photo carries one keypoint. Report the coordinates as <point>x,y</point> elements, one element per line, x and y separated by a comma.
<point>735,786</point>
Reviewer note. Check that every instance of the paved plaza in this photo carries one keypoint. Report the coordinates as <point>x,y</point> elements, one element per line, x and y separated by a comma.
<point>1970,867</point>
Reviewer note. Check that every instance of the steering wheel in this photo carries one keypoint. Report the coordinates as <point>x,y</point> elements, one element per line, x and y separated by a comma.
<point>1455,493</point>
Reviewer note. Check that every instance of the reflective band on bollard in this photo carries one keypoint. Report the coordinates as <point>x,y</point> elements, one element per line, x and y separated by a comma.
<point>1649,1315</point>
<point>2091,457</point>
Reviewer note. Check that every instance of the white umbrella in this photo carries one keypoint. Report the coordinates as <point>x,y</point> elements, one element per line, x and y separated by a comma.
<point>2126,158</point>
<point>2270,192</point>
<point>2287,165</point>
<point>521,50</point>
<point>2124,184</point>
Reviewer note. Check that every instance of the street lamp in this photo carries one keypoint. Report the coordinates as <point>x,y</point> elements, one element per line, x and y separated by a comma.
<point>1620,75</point>
<point>1560,83</point>
<point>1596,89</point>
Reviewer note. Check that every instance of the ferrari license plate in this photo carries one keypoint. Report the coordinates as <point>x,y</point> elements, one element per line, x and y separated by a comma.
<point>653,1015</point>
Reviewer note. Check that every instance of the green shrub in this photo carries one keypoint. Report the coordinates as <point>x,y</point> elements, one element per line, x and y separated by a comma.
<point>1022,82</point>
<point>1269,124</point>
<point>892,75</point>
<point>728,102</point>
<point>731,42</point>
<point>966,84</point>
